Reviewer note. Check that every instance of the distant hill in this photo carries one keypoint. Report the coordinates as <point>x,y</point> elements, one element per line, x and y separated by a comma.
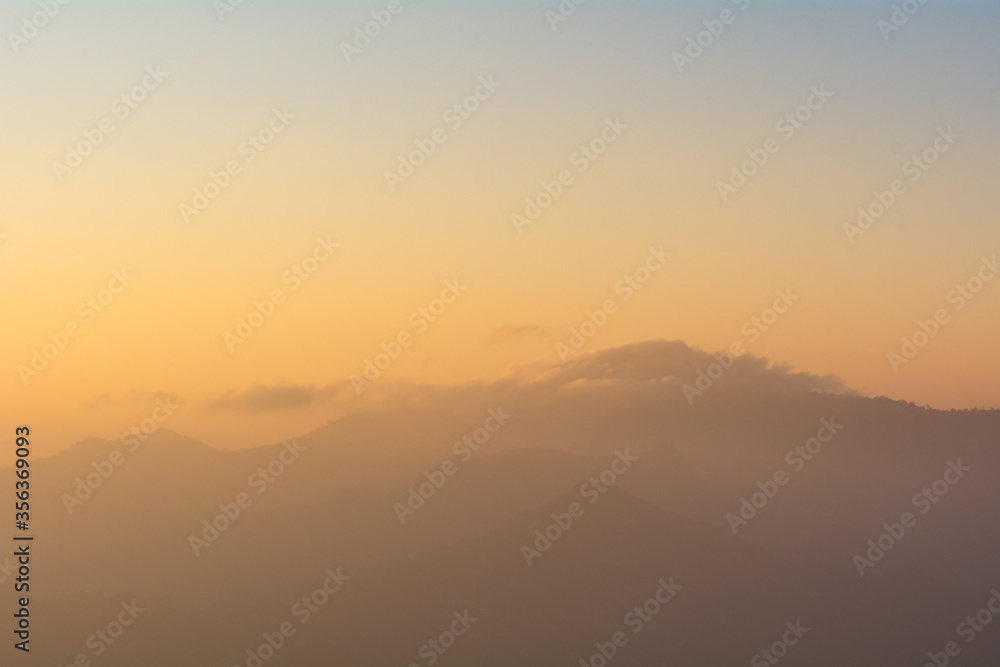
<point>336,503</point>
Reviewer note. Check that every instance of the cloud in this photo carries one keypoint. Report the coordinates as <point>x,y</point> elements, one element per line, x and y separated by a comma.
<point>516,332</point>
<point>278,397</point>
<point>144,396</point>
<point>98,402</point>
<point>660,360</point>
<point>140,397</point>
<point>640,383</point>
<point>168,396</point>
<point>651,374</point>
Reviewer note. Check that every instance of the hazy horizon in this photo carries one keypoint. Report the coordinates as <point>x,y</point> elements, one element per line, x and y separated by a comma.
<point>337,123</point>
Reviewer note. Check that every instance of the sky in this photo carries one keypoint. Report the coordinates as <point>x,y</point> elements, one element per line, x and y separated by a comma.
<point>184,88</point>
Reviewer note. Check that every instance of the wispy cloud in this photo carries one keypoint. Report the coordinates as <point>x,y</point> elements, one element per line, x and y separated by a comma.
<point>278,397</point>
<point>516,332</point>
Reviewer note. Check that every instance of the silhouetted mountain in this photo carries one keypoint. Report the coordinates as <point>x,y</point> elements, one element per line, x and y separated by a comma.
<point>337,499</point>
